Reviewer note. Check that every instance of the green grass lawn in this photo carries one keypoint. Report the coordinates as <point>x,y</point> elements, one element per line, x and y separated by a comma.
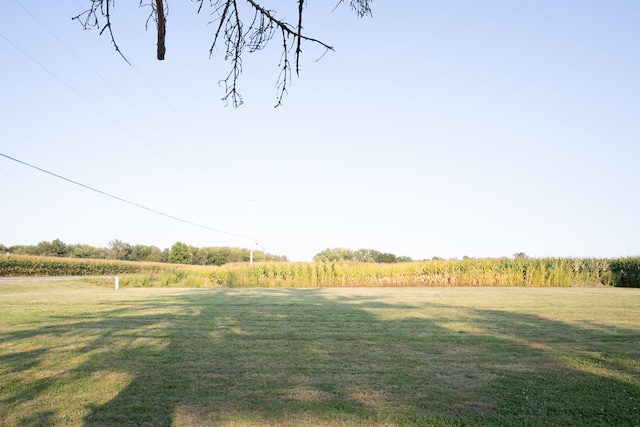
<point>74,353</point>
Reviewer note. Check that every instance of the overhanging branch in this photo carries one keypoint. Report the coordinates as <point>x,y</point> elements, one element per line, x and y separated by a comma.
<point>231,32</point>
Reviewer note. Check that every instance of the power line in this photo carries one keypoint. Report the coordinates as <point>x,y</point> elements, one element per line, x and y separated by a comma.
<point>124,200</point>
<point>115,90</point>
<point>93,70</point>
<point>119,124</point>
<point>87,100</point>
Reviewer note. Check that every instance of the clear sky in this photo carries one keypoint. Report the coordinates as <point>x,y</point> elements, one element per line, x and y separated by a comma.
<point>457,128</point>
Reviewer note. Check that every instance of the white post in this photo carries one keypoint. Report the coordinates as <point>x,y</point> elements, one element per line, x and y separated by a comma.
<point>117,282</point>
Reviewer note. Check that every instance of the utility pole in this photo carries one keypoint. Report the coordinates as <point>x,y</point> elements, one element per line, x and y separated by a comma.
<point>253,229</point>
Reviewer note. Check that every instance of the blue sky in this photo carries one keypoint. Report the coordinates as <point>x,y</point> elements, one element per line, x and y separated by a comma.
<point>463,128</point>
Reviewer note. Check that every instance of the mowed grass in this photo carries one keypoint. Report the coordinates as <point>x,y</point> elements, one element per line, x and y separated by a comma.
<point>74,353</point>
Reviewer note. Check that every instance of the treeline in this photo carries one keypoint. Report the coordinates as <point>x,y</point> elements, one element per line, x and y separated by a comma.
<point>361,255</point>
<point>179,253</point>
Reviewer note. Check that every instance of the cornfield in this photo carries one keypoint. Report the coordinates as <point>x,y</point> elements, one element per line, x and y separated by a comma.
<point>467,272</point>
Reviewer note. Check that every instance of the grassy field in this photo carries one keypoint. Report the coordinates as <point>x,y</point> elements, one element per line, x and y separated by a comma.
<point>80,353</point>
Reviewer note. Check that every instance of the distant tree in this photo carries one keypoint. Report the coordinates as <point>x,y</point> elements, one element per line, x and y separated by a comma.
<point>58,248</point>
<point>384,257</point>
<point>87,251</point>
<point>180,254</point>
<point>3,249</point>
<point>138,253</point>
<point>166,252</point>
<point>145,253</point>
<point>334,254</point>
<point>225,255</point>
<point>275,258</point>
<point>119,250</point>
<point>199,255</point>
<point>76,251</point>
<point>217,256</point>
<point>520,255</point>
<point>239,26</point>
<point>361,255</point>
<point>19,250</point>
<point>237,254</point>
<point>209,255</point>
<point>156,255</point>
<point>364,255</point>
<point>43,249</point>
<point>373,255</point>
<point>54,248</point>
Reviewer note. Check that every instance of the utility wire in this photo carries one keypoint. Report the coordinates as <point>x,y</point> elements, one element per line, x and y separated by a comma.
<point>138,110</point>
<point>87,100</point>
<point>198,136</point>
<point>79,58</point>
<point>126,201</point>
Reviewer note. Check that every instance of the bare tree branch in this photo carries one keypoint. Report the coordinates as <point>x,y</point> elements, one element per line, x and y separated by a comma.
<point>89,19</point>
<point>260,32</point>
<point>223,20</point>
<point>230,32</point>
<point>285,72</point>
<point>299,36</point>
<point>162,28</point>
<point>362,8</point>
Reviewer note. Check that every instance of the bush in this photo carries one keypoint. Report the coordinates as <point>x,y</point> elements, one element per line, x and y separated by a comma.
<point>625,272</point>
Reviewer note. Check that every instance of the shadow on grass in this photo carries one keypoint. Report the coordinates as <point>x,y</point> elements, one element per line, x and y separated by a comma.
<point>309,357</point>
